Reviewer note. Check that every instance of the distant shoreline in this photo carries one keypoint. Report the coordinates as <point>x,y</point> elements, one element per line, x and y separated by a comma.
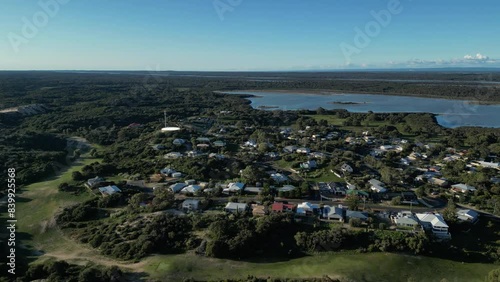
<point>337,92</point>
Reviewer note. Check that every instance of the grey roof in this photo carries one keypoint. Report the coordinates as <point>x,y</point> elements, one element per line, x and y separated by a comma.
<point>333,212</point>
<point>405,221</point>
<point>236,206</point>
<point>109,190</point>
<point>193,202</point>
<point>464,187</point>
<point>177,186</point>
<point>356,214</point>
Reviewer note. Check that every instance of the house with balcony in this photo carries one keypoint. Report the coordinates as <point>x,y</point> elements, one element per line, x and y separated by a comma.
<point>435,223</point>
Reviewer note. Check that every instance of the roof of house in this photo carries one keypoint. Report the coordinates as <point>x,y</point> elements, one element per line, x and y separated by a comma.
<point>405,220</point>
<point>308,206</point>
<point>177,186</point>
<point>279,177</point>
<point>167,171</point>
<point>335,212</point>
<point>258,209</point>
<point>95,180</point>
<point>111,189</point>
<point>376,182</point>
<point>173,155</point>
<point>357,214</point>
<point>464,187</point>
<point>191,189</point>
<point>190,202</point>
<point>286,188</point>
<point>467,213</point>
<point>236,206</point>
<point>237,186</point>
<point>278,206</point>
<point>434,219</point>
<point>309,164</point>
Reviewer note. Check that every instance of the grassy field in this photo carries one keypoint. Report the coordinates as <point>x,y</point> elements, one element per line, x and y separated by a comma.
<point>323,175</point>
<point>38,202</point>
<point>333,120</point>
<point>339,122</point>
<point>36,205</point>
<point>352,267</point>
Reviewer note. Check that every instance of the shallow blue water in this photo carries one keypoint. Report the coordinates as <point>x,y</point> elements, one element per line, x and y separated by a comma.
<point>451,113</point>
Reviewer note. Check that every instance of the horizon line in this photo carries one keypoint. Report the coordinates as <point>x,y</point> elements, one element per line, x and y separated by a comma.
<point>250,71</point>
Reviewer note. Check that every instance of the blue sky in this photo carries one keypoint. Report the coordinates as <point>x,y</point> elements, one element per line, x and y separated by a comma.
<point>247,34</point>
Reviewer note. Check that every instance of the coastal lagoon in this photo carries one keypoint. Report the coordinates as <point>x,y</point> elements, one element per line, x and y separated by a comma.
<point>450,113</point>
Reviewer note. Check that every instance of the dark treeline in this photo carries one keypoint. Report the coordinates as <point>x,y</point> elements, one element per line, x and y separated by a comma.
<point>136,235</point>
<point>51,270</point>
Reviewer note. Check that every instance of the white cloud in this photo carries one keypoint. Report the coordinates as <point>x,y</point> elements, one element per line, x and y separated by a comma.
<point>478,57</point>
<point>467,60</point>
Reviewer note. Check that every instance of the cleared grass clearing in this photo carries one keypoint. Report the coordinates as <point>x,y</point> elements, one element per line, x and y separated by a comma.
<point>323,175</point>
<point>355,267</point>
<point>365,126</point>
<point>38,202</point>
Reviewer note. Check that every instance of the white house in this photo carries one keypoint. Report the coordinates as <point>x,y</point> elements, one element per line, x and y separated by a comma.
<point>279,177</point>
<point>311,164</point>
<point>435,223</point>
<point>177,174</point>
<point>386,147</point>
<point>464,188</point>
<point>173,155</point>
<point>377,186</point>
<point>234,187</point>
<point>177,187</point>
<point>306,208</point>
<point>290,149</point>
<point>109,190</point>
<point>405,219</point>
<point>190,205</point>
<point>92,182</point>
<point>487,164</point>
<point>167,171</point>
<point>334,213</point>
<point>346,168</point>
<point>236,207</point>
<point>191,189</point>
<point>467,215</point>
<point>303,150</point>
<point>286,188</point>
<point>250,143</point>
<point>193,154</point>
